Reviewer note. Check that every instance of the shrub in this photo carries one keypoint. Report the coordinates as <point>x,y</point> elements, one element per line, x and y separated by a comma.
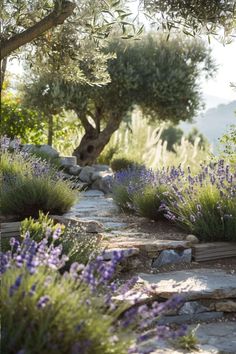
<point>140,190</point>
<point>122,163</point>
<point>72,312</point>
<point>148,202</point>
<point>29,185</point>
<point>205,204</point>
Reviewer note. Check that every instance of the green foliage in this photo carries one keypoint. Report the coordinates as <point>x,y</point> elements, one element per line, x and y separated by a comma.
<point>228,141</point>
<point>38,228</point>
<point>187,342</point>
<point>194,135</point>
<point>195,16</point>
<point>79,246</point>
<point>122,163</point>
<point>172,136</point>
<point>121,197</point>
<point>158,76</point>
<point>29,185</point>
<point>17,120</point>
<point>148,202</point>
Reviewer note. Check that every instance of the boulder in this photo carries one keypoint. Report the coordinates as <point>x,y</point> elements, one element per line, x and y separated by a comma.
<point>68,161</point>
<point>50,151</point>
<point>86,174</point>
<point>192,307</point>
<point>173,257</point>
<point>74,170</point>
<point>103,181</point>
<point>102,168</point>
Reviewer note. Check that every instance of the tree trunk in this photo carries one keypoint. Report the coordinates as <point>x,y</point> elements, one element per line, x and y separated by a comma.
<point>93,142</point>
<point>3,72</point>
<point>50,129</point>
<point>55,18</point>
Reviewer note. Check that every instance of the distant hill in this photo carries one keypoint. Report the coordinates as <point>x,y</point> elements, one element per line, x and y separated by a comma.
<point>214,122</point>
<point>213,101</point>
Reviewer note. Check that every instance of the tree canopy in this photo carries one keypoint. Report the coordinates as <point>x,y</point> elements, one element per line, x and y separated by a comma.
<point>194,16</point>
<point>159,76</point>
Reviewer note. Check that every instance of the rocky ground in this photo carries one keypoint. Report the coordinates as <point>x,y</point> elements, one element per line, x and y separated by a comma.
<point>209,288</point>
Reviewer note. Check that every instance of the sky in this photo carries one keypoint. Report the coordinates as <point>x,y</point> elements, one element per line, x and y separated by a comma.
<point>225,58</point>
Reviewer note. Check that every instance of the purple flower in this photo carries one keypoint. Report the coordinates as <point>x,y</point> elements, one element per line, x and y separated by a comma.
<point>13,288</point>
<point>43,301</point>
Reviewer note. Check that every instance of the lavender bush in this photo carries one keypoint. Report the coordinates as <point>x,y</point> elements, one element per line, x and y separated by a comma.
<point>203,203</point>
<point>46,312</point>
<point>29,184</point>
<point>141,190</point>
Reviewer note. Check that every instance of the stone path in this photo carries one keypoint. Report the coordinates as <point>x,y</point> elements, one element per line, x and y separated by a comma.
<point>209,294</point>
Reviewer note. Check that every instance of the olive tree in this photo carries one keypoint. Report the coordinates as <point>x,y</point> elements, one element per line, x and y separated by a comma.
<point>159,76</point>
<point>193,16</point>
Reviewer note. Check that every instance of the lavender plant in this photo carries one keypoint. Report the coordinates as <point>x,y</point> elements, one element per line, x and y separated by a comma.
<point>29,184</point>
<point>44,311</point>
<point>141,190</point>
<point>205,204</point>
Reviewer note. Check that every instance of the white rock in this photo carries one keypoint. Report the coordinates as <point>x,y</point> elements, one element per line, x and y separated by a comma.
<point>192,239</point>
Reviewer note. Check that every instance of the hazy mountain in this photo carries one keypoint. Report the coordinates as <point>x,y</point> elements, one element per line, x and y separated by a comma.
<point>214,122</point>
<point>213,101</point>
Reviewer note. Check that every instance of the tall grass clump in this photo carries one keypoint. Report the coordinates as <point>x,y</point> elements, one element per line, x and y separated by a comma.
<point>44,310</point>
<point>29,185</point>
<point>205,203</point>
<point>141,141</point>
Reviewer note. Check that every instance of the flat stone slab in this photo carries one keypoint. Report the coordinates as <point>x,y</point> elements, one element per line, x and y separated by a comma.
<point>220,335</point>
<point>93,193</point>
<point>152,247</point>
<point>213,338</point>
<point>192,284</point>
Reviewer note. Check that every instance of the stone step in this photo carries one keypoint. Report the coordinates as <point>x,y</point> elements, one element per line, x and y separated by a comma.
<point>149,246</point>
<point>192,284</point>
